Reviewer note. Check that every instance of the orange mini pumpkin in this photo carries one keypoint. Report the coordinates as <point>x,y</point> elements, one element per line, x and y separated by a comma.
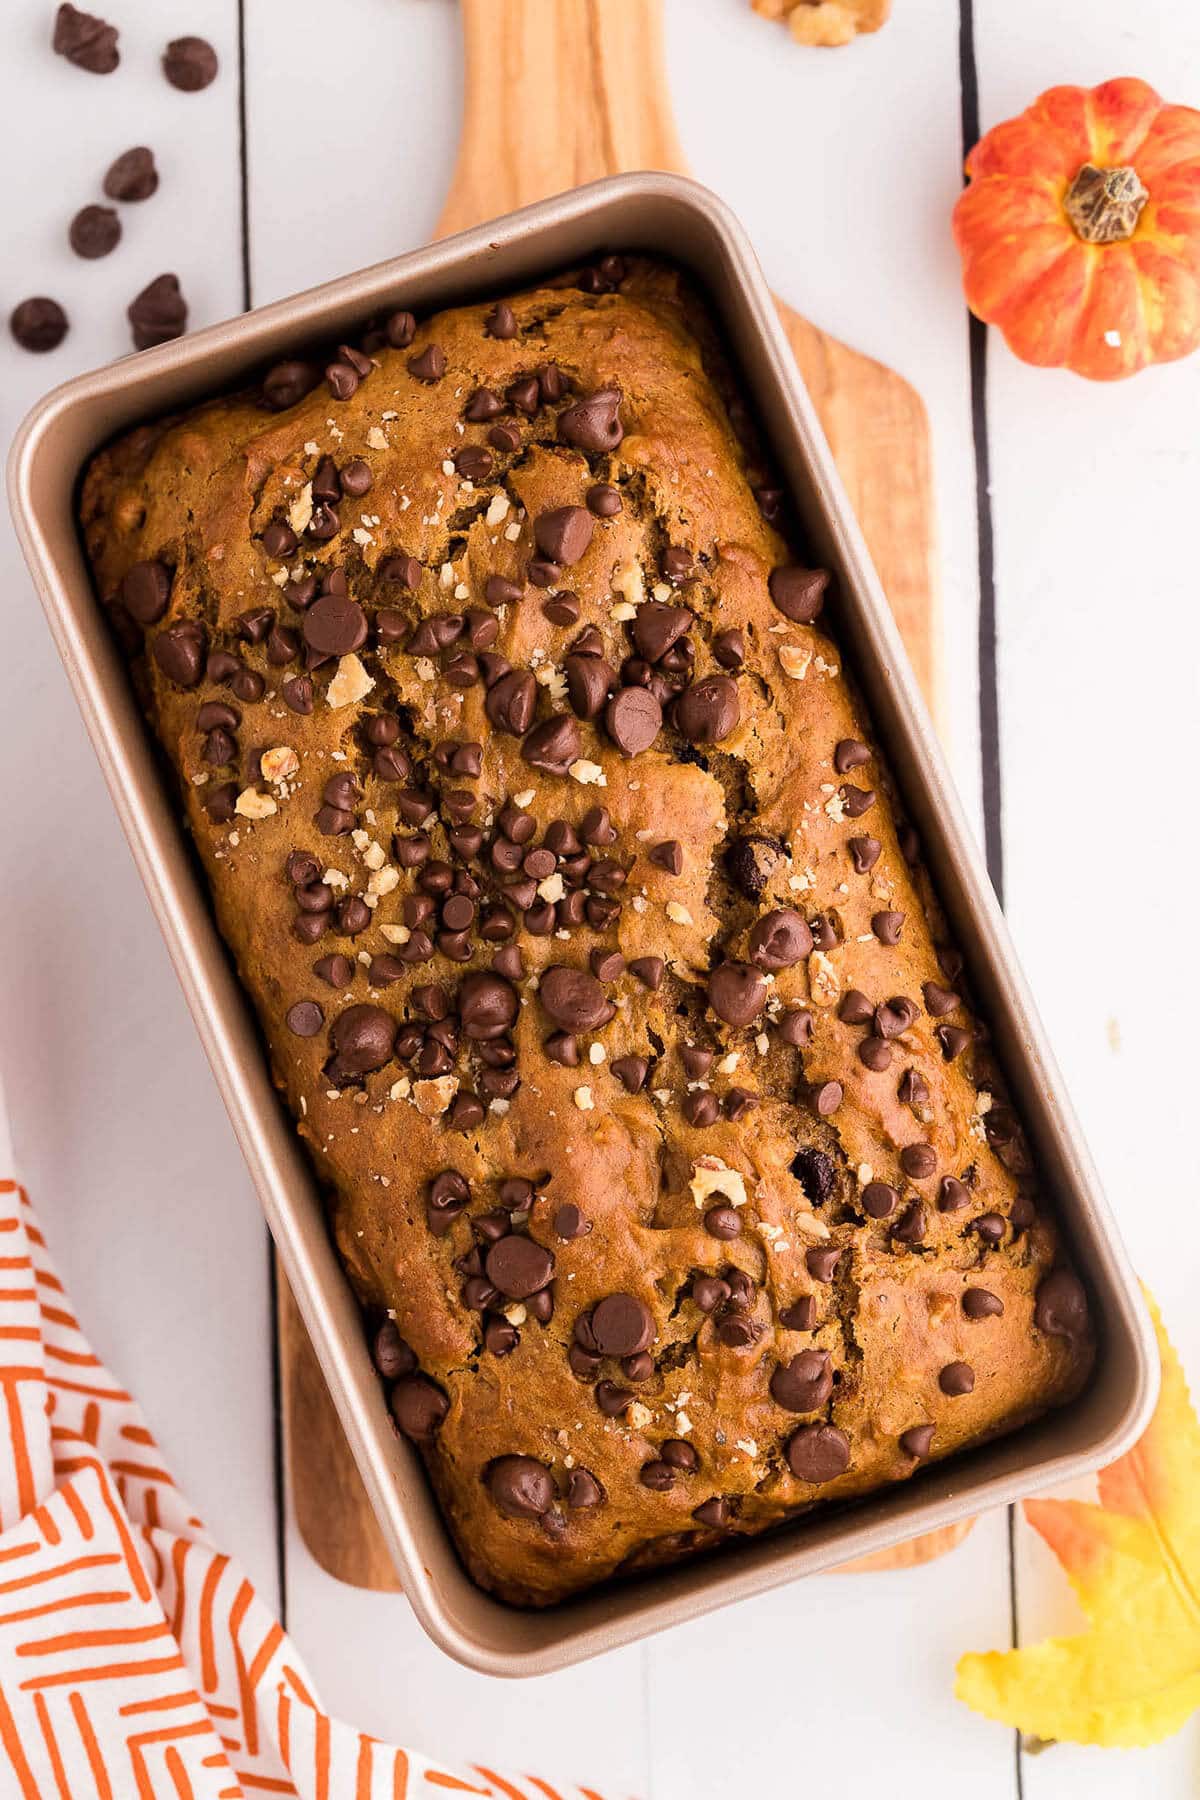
<point>1080,230</point>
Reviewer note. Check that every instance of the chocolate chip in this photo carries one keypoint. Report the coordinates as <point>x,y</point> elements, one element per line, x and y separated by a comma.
<point>305,1018</point>
<point>521,1487</point>
<point>619,1325</point>
<point>334,626</point>
<point>804,1384</point>
<point>512,702</point>
<point>569,1223</point>
<point>879,1200</point>
<point>611,1399</point>
<point>518,1266</point>
<point>563,534</point>
<point>589,680</point>
<point>701,1109</point>
<point>473,462</point>
<point>953,1195</point>
<point>821,1263</point>
<point>916,1441</point>
<point>799,593</point>
<point>573,999</point>
<point>179,652</point>
<point>501,322</point>
<point>864,852</point>
<point>801,1315</point>
<point>657,1475</point>
<point>814,1171</point>
<point>429,365</point>
<point>875,1053</point>
<point>1060,1306</point>
<point>729,648</point>
<point>956,1379</point>
<point>657,628</point>
<point>399,329</point>
<point>818,1453</point>
<point>487,1006</point>
<point>736,993</point>
<point>709,710</point>
<point>583,1489</point>
<point>287,383</point>
<point>604,501</point>
<point>389,1352</point>
<point>86,41</point>
<point>158,314</point>
<point>190,64</point>
<point>362,1039</point>
<point>145,592</point>
<point>632,718</point>
<point>553,745</point>
<point>981,1303</point>
<point>418,1407</point>
<point>669,856</point>
<point>779,940</point>
<point>356,478</point>
<point>94,231</point>
<point>593,423</point>
<point>953,1040</point>
<point>132,176</point>
<point>854,1008</point>
<point>631,1072</point>
<point>38,324</point>
<point>337,971</point>
<point>919,1161</point>
<point>715,1514</point>
<point>855,800</point>
<point>826,1097</point>
<point>298,694</point>
<point>912,1227</point>
<point>649,970</point>
<point>887,926</point>
<point>353,916</point>
<point>796,1028</point>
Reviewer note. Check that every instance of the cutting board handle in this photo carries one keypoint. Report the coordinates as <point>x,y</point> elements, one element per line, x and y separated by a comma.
<point>557,92</point>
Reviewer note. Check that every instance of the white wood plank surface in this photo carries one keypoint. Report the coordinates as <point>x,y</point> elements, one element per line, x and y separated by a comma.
<point>121,1135</point>
<point>844,167</point>
<point>1094,497</point>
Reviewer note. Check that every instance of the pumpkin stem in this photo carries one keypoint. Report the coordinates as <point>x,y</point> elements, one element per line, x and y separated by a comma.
<point>1104,205</point>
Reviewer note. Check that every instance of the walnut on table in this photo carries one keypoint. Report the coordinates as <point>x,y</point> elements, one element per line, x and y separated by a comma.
<point>826,22</point>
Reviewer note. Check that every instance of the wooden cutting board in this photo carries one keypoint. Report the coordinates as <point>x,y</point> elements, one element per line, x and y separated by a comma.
<point>559,92</point>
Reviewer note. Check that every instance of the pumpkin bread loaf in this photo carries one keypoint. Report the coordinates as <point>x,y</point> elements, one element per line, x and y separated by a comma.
<point>597,965</point>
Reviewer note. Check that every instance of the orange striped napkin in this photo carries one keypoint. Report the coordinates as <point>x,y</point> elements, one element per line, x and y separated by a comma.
<point>136,1660</point>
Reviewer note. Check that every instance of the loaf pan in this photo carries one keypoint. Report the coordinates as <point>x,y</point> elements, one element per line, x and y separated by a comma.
<point>672,217</point>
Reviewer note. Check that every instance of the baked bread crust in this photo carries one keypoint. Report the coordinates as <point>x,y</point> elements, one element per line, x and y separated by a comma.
<point>707,1205</point>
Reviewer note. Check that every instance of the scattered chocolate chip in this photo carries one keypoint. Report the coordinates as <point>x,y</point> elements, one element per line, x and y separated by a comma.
<point>821,1263</point>
<point>573,999</point>
<point>287,383</point>
<point>487,1005</point>
<point>94,231</point>
<point>362,1039</point>
<point>855,1008</point>
<point>570,1223</point>
<point>798,593</point>
<point>87,42</point>
<point>953,1040</point>
<point>729,648</point>
<point>604,501</point>
<point>38,324</point>
<point>563,534</point>
<point>956,1378</point>
<point>190,64</point>
<point>649,970</point>
<point>518,1266</point>
<point>701,1108</point>
<point>553,745</point>
<point>305,1018</point>
<point>805,1383</point>
<point>179,652</point>
<point>953,1194</point>
<point>521,1487</point>
<point>887,926</point>
<point>875,1053</point>
<point>583,1489</point>
<point>916,1441</point>
<point>779,940</point>
<point>1060,1305</point>
<point>158,314</point>
<point>818,1453</point>
<point>337,971</point>
<point>632,718</point>
<point>919,1161</point>
<point>298,694</point>
<point>589,680</point>
<point>145,593</point>
<point>429,365</point>
<point>939,1000</point>
<point>864,853</point>
<point>709,710</point>
<point>796,1028</point>
<point>736,993</point>
<point>593,423</point>
<point>389,1352</point>
<point>418,1407</point>
<point>715,1514</point>
<point>334,625</point>
<point>981,1303</point>
<point>618,1325</point>
<point>501,322</point>
<point>879,1200</point>
<point>850,754</point>
<point>801,1315</point>
<point>855,800</point>
<point>658,628</point>
<point>132,176</point>
<point>912,1227</point>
